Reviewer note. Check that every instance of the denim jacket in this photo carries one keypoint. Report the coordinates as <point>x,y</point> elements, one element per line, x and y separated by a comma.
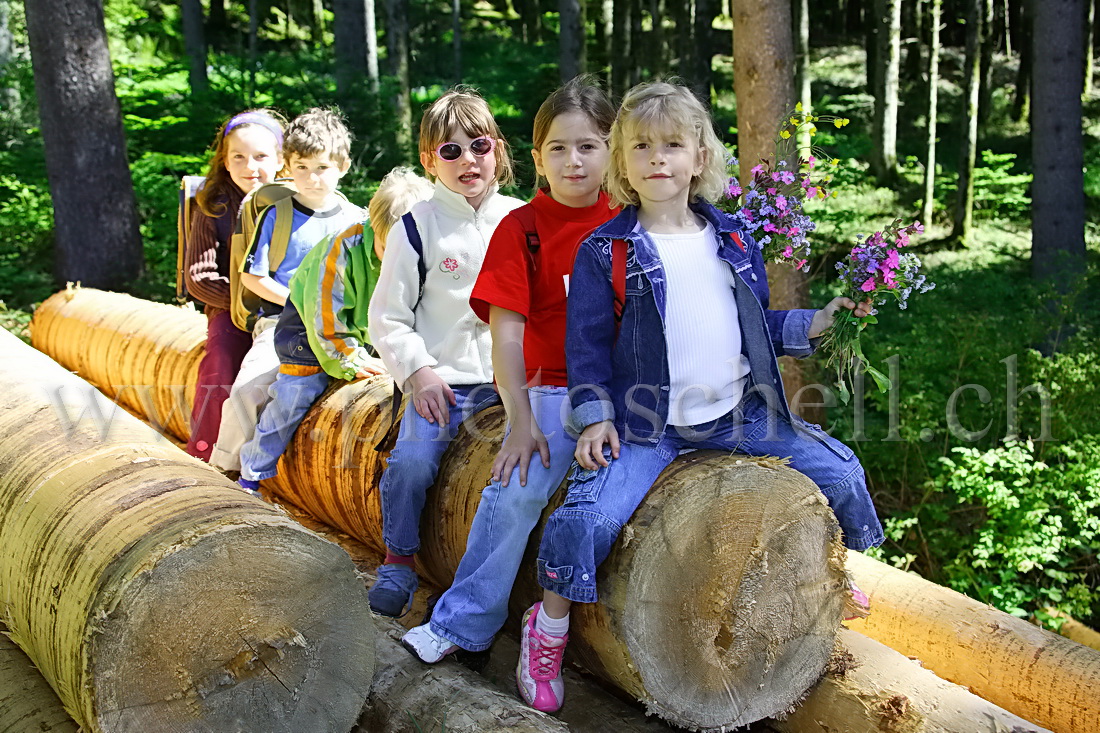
<point>624,377</point>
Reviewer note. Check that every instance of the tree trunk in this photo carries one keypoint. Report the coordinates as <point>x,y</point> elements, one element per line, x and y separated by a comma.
<point>801,13</point>
<point>763,80</point>
<point>605,30</point>
<point>683,48</point>
<point>870,688</point>
<point>27,703</point>
<point>371,32</point>
<point>1057,198</point>
<point>150,591</point>
<point>620,47</point>
<point>253,47</point>
<point>1026,670</point>
<point>964,203</point>
<point>85,145</point>
<point>1021,105</point>
<point>194,40</point>
<point>637,42</point>
<point>397,51</point>
<point>1090,30</point>
<point>989,42</point>
<point>349,32</point>
<point>705,11</point>
<point>317,21</point>
<point>748,552</point>
<point>9,93</point>
<point>884,144</point>
<point>935,17</point>
<point>571,58</point>
<point>456,36</point>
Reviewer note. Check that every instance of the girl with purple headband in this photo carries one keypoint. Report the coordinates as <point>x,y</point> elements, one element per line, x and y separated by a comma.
<point>247,154</point>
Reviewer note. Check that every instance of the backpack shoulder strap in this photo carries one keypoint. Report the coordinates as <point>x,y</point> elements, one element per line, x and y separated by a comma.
<point>526,216</point>
<point>618,278</point>
<point>280,235</point>
<point>418,246</point>
<point>189,186</point>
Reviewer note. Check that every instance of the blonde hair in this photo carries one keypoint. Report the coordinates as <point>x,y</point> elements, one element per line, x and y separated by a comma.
<point>398,191</point>
<point>318,132</point>
<point>660,105</point>
<point>462,108</point>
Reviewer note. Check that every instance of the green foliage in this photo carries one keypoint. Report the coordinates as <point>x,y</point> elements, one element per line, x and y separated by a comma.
<point>1009,529</point>
<point>26,241</point>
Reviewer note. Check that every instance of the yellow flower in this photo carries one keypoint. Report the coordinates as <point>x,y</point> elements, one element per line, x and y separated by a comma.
<point>821,193</point>
<point>834,194</point>
<point>813,130</point>
<point>798,107</point>
<point>834,161</point>
<point>794,121</point>
<point>785,134</point>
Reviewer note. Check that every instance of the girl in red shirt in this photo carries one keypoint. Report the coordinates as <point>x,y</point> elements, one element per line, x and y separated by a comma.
<point>521,292</point>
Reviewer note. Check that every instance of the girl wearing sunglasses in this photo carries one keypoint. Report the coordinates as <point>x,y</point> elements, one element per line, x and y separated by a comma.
<point>433,345</point>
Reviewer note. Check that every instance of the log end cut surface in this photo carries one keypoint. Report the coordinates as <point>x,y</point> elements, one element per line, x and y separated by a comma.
<point>736,594</point>
<point>248,628</point>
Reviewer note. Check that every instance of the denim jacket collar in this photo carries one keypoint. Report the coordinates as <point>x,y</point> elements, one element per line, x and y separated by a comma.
<point>625,226</point>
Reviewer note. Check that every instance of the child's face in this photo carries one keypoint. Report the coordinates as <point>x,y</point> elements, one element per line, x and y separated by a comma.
<point>573,159</point>
<point>252,157</point>
<point>316,178</point>
<point>660,165</point>
<point>470,175</point>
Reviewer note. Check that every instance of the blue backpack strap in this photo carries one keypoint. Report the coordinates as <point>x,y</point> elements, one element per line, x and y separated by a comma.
<point>418,246</point>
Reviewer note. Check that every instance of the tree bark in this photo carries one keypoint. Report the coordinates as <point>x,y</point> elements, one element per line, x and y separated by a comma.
<point>620,47</point>
<point>1021,105</point>
<point>964,202</point>
<point>456,38</point>
<point>1090,31</point>
<point>371,32</point>
<point>683,48</point>
<point>801,13</point>
<point>988,45</point>
<point>397,51</point>
<point>95,215</point>
<point>701,76</point>
<point>349,32</point>
<point>150,591</point>
<point>763,80</point>
<point>571,46</point>
<point>253,47</point>
<point>194,41</point>
<point>9,93</point>
<point>317,21</point>
<point>1026,670</point>
<point>1057,147</point>
<point>27,703</point>
<point>935,17</point>
<point>884,145</point>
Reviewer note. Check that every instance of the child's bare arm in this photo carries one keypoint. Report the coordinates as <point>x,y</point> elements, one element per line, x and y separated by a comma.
<point>509,367</point>
<point>266,288</point>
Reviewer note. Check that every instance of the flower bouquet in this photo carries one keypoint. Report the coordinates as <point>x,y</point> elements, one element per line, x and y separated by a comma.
<point>877,270</point>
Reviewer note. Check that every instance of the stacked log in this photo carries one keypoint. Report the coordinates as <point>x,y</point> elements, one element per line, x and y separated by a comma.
<point>26,701</point>
<point>153,594</point>
<point>1032,672</point>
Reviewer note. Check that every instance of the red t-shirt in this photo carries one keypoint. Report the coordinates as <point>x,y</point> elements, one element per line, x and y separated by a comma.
<point>538,293</point>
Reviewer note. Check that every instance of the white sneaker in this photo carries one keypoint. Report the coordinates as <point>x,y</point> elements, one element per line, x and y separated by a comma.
<point>538,674</point>
<point>426,645</point>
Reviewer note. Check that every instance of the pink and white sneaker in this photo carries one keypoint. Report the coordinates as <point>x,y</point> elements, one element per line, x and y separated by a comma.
<point>538,674</point>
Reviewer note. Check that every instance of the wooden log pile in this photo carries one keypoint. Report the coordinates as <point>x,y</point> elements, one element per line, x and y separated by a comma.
<point>153,594</point>
<point>719,605</point>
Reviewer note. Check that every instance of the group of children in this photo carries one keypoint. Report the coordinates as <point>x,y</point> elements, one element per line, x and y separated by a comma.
<point>619,316</point>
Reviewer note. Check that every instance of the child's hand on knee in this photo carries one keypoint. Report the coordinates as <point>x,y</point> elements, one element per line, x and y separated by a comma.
<point>371,368</point>
<point>519,447</point>
<point>431,396</point>
<point>589,452</point>
<point>823,319</point>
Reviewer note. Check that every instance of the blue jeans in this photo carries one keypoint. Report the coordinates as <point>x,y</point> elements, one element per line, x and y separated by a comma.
<point>291,398</point>
<point>474,608</point>
<point>579,535</point>
<point>414,461</point>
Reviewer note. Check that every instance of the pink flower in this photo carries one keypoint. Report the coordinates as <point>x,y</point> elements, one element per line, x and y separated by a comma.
<point>775,176</point>
<point>771,191</point>
<point>769,227</point>
<point>891,261</point>
<point>888,279</point>
<point>811,192</point>
<point>789,251</point>
<point>811,160</point>
<point>800,264</point>
<point>918,227</point>
<point>747,214</point>
<point>734,190</point>
<point>903,239</point>
<point>868,286</point>
<point>757,169</point>
<point>794,231</point>
<point>781,201</point>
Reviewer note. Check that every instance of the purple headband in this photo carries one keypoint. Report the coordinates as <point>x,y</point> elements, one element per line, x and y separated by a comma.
<point>256,118</point>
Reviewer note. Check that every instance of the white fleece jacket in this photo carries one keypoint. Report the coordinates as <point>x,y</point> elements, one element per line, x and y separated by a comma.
<point>443,332</point>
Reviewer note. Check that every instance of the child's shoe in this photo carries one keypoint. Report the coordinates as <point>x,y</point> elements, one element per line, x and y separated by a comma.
<point>426,645</point>
<point>859,605</point>
<point>392,590</point>
<point>538,674</point>
<point>250,487</point>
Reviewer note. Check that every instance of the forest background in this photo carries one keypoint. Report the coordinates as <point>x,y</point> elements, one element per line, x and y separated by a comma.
<point>984,456</point>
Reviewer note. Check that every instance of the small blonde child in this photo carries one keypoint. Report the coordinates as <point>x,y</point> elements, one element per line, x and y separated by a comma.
<point>317,151</point>
<point>322,331</point>
<point>522,295</point>
<point>692,364</point>
<point>248,152</point>
<point>430,340</point>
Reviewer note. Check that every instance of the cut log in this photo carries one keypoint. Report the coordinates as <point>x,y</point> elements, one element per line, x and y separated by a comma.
<point>1074,630</point>
<point>1031,672</point>
<point>152,593</point>
<point>719,605</point>
<point>871,688</point>
<point>27,703</point>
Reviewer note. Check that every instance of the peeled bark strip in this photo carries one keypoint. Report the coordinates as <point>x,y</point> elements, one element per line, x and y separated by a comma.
<point>719,605</point>
<point>871,688</point>
<point>1031,672</point>
<point>26,701</point>
<point>151,593</point>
